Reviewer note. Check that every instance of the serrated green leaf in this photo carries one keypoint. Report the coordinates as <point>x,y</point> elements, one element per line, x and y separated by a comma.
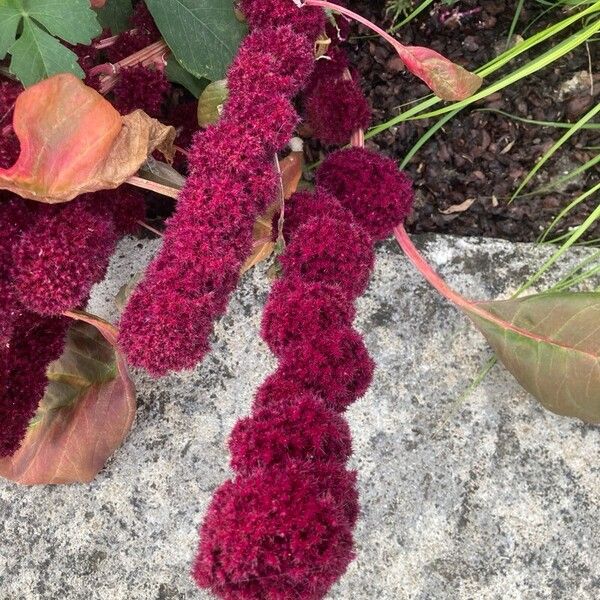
<point>70,20</point>
<point>551,344</point>
<point>177,74</point>
<point>37,55</point>
<point>115,15</point>
<point>9,22</point>
<point>204,35</point>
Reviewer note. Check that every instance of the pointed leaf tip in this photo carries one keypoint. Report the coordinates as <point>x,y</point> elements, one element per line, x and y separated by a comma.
<point>551,344</point>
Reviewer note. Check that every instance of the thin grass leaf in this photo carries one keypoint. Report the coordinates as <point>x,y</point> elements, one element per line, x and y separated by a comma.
<point>556,124</point>
<point>486,70</point>
<point>568,209</point>
<point>556,146</point>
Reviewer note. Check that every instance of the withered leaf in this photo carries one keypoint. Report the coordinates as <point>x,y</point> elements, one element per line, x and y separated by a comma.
<point>73,141</point>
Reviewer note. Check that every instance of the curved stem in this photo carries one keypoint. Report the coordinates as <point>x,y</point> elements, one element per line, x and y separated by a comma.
<point>419,262</point>
<point>349,13</point>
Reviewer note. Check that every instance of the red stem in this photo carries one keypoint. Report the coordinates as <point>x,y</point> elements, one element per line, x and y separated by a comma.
<point>427,271</point>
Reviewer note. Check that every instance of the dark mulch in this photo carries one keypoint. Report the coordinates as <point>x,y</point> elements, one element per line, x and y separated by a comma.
<point>482,155</point>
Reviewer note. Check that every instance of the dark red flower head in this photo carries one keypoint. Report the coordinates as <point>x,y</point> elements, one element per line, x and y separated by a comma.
<point>335,108</point>
<point>305,205</point>
<point>299,310</point>
<point>326,250</point>
<point>369,185</point>
<point>60,256</point>
<point>277,534</point>
<point>299,428</point>
<point>307,20</point>
<point>336,366</point>
<point>142,88</point>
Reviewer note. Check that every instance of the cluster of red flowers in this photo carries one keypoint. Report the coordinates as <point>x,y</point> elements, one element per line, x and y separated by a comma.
<point>50,256</point>
<point>283,527</point>
<point>169,317</point>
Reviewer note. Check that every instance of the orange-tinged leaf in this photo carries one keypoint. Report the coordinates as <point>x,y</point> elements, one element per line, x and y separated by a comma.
<point>290,169</point>
<point>291,172</point>
<point>85,414</point>
<point>73,141</point>
<point>446,79</point>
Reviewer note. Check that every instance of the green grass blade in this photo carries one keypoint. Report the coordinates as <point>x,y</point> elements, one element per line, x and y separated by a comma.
<point>568,209</point>
<point>556,146</point>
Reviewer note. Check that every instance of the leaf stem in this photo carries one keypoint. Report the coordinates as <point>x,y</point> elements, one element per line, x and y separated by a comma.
<point>427,271</point>
<point>153,186</point>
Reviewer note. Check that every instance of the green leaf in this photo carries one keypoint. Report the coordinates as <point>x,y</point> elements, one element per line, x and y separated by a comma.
<point>551,344</point>
<point>115,15</point>
<point>37,55</point>
<point>211,101</point>
<point>203,34</point>
<point>177,74</point>
<point>70,20</point>
<point>9,22</point>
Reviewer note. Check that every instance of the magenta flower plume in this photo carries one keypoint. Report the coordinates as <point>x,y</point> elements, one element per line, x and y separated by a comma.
<point>259,536</point>
<point>142,88</point>
<point>279,533</point>
<point>340,253</point>
<point>323,307</point>
<point>335,109</point>
<point>16,215</point>
<point>336,367</point>
<point>299,428</point>
<point>303,206</point>
<point>36,342</point>
<point>168,319</point>
<point>60,256</point>
<point>370,186</point>
<point>307,20</point>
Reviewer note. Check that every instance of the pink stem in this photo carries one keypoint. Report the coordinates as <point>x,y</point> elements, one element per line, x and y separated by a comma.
<point>349,13</point>
<point>419,262</point>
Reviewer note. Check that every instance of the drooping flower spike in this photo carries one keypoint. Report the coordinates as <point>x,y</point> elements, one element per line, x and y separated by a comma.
<point>169,317</point>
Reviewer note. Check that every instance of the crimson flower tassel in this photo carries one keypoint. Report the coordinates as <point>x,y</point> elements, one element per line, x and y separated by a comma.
<point>282,528</point>
<point>167,322</point>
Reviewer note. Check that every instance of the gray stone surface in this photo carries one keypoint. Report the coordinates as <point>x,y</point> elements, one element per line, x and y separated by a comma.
<point>498,502</point>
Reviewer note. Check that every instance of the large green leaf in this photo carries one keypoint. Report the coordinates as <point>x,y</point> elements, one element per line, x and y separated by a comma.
<point>203,34</point>
<point>9,23</point>
<point>115,15</point>
<point>177,74</point>
<point>551,344</point>
<point>70,20</point>
<point>37,55</point>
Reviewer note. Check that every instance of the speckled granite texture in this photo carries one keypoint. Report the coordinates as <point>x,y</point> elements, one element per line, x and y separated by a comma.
<point>499,501</point>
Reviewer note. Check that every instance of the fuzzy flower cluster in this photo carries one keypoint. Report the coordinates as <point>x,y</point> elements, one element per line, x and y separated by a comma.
<point>167,322</point>
<point>142,88</point>
<point>50,256</point>
<point>282,528</point>
<point>334,104</point>
<point>36,341</point>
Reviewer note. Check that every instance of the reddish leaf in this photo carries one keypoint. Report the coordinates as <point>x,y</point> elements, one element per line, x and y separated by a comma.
<point>73,141</point>
<point>87,411</point>
<point>446,79</point>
